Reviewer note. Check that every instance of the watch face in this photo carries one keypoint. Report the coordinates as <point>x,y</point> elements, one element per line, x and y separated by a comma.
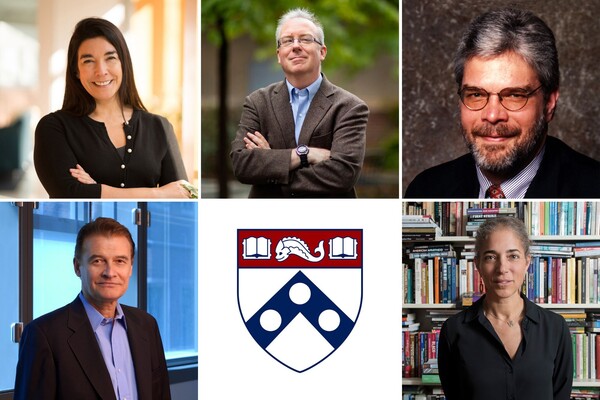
<point>302,149</point>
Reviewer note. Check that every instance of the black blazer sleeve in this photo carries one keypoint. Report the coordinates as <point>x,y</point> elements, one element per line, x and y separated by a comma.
<point>562,377</point>
<point>447,365</point>
<point>36,371</point>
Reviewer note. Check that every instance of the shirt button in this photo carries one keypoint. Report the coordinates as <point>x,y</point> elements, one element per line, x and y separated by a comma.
<point>129,137</point>
<point>122,166</point>
<point>129,150</point>
<point>122,185</point>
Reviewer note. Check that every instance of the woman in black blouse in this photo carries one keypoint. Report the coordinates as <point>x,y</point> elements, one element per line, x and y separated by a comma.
<point>505,346</point>
<point>103,142</point>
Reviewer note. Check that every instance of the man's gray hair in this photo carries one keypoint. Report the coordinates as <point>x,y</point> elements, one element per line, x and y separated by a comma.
<point>510,30</point>
<point>300,13</point>
<point>491,225</point>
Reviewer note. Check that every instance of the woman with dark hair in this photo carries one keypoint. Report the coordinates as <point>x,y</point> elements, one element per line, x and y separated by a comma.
<point>504,346</point>
<point>103,142</point>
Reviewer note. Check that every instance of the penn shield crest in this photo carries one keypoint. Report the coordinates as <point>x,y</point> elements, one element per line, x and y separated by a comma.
<point>300,291</point>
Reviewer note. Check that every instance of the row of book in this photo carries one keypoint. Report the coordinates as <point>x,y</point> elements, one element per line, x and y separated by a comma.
<point>415,393</point>
<point>419,228</point>
<point>585,393</point>
<point>419,350</point>
<point>549,280</point>
<point>541,218</point>
<point>419,356</point>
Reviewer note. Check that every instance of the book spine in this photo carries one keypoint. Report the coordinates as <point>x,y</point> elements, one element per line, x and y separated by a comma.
<point>418,280</point>
<point>444,266</point>
<point>463,277</point>
<point>430,282</point>
<point>597,356</point>
<point>451,280</point>
<point>436,280</point>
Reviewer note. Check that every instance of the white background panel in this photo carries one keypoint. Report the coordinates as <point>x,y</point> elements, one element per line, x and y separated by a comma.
<point>233,366</point>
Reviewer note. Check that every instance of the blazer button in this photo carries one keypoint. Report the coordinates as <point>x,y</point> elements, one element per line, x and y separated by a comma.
<point>122,166</point>
<point>129,150</point>
<point>122,185</point>
<point>129,137</point>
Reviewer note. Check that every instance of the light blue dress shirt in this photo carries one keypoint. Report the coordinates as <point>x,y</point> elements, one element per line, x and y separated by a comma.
<point>111,334</point>
<point>300,102</point>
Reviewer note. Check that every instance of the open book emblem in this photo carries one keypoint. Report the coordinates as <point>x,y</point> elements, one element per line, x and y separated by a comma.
<point>341,248</point>
<point>300,291</point>
<point>258,248</point>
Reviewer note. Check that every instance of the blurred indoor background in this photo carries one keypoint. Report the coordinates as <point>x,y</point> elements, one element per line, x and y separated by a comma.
<point>34,36</point>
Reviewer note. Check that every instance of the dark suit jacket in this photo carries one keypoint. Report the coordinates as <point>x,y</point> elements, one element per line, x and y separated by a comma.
<point>336,120</point>
<point>59,357</point>
<point>563,173</point>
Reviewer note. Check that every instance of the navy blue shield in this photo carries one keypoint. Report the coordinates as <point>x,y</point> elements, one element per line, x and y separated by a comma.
<point>300,291</point>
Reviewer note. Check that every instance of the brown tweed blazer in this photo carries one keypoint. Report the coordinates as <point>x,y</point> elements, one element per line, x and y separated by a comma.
<point>336,120</point>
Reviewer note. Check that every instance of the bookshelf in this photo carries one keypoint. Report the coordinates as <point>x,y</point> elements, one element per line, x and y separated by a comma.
<point>452,235</point>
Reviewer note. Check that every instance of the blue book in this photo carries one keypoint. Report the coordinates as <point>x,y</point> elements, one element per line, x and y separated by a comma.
<point>536,275</point>
<point>444,285</point>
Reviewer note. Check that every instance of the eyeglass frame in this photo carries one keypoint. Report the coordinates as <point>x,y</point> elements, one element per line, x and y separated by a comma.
<point>527,96</point>
<point>297,39</point>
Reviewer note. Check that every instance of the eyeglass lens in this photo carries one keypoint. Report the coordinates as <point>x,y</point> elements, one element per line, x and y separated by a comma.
<point>512,99</point>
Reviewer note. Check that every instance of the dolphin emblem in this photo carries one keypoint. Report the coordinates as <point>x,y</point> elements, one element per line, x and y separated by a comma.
<point>296,246</point>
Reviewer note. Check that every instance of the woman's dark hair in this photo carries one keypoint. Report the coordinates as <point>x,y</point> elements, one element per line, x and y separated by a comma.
<point>77,100</point>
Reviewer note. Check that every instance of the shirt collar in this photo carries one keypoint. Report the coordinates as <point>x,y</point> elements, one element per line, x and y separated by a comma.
<point>476,310</point>
<point>312,88</point>
<point>94,315</point>
<point>515,187</point>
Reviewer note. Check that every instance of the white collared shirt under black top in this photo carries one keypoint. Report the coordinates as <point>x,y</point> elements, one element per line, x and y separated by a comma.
<point>474,365</point>
<point>151,155</point>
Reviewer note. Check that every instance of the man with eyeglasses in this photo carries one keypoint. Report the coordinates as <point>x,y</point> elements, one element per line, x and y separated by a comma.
<point>506,68</point>
<point>304,136</point>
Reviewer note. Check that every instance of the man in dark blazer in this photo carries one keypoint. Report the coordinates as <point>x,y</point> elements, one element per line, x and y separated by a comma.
<point>61,355</point>
<point>506,68</point>
<point>303,137</point>
<point>563,173</point>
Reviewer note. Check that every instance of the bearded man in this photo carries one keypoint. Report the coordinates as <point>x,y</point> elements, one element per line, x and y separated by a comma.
<point>506,68</point>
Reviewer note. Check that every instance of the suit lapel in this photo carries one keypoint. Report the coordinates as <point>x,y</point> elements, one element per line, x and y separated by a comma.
<point>282,110</point>
<point>138,343</point>
<point>85,347</point>
<point>319,106</point>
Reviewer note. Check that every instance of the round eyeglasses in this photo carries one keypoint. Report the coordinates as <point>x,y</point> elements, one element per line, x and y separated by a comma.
<point>513,99</point>
<point>303,40</point>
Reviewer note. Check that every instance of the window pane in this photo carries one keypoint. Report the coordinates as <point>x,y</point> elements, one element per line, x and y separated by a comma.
<point>55,229</point>
<point>173,275</point>
<point>9,287</point>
